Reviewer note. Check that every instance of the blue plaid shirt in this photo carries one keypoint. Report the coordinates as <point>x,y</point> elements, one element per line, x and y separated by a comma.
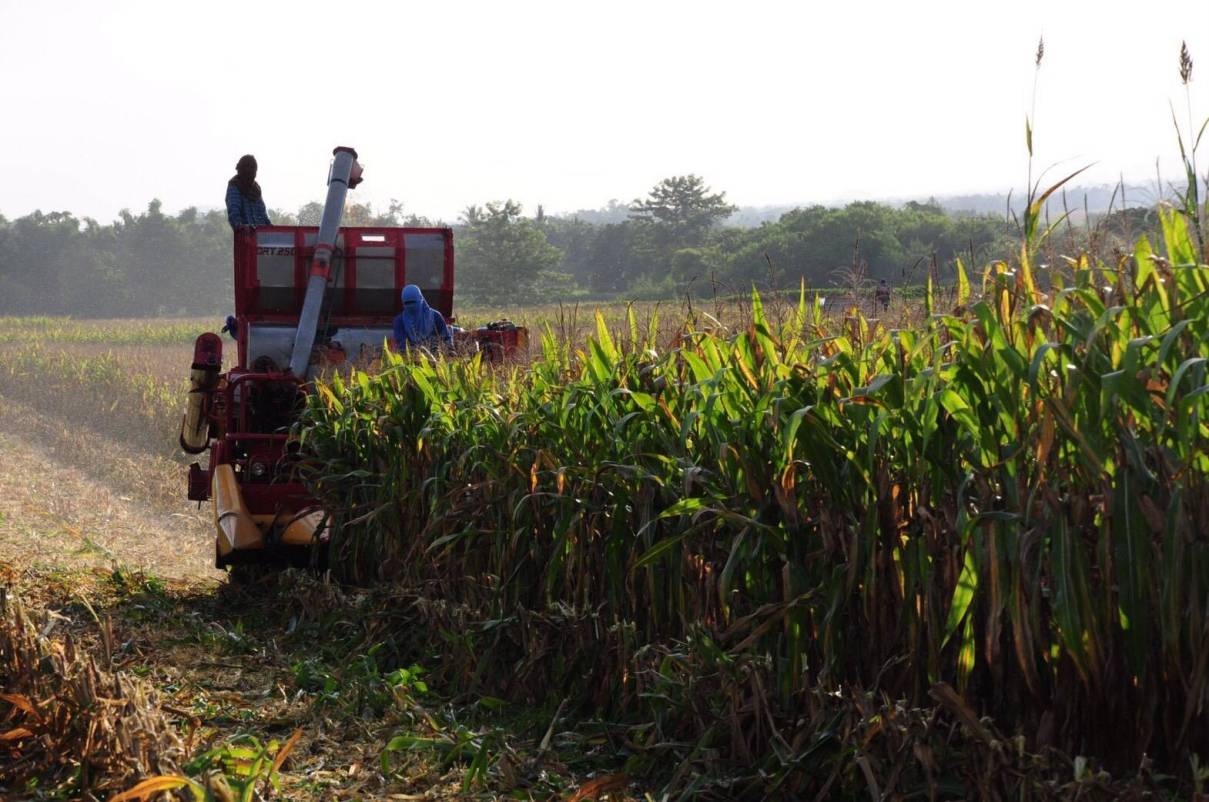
<point>243,211</point>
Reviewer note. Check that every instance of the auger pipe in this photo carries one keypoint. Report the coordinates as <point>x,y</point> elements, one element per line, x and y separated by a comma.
<point>345,174</point>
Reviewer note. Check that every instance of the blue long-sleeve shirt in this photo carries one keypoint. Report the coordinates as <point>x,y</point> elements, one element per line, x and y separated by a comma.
<point>243,211</point>
<point>438,333</point>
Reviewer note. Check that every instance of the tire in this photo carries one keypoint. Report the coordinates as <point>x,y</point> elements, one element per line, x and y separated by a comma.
<point>248,573</point>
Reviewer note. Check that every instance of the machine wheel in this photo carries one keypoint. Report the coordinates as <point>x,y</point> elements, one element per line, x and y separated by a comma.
<point>248,573</point>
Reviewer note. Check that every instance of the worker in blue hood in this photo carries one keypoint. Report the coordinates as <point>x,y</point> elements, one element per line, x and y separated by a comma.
<point>419,325</point>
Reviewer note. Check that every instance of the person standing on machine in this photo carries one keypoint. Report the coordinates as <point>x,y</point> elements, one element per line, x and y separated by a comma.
<point>245,204</point>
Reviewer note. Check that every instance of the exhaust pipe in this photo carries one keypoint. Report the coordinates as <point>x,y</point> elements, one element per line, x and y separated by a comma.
<point>345,175</point>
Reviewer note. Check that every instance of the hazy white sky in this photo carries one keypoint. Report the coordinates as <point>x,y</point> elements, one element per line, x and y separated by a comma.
<point>109,104</point>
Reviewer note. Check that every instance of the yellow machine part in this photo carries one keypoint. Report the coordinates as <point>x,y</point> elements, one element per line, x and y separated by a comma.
<point>239,530</point>
<point>297,531</point>
<point>301,531</point>
<point>195,428</point>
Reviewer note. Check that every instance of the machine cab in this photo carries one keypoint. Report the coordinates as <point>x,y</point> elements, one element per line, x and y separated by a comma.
<point>369,268</point>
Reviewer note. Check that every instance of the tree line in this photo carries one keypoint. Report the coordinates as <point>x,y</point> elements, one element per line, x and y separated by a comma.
<point>670,241</point>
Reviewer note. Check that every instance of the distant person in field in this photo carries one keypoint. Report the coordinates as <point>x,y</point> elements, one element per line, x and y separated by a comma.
<point>419,325</point>
<point>882,294</point>
<point>245,205</point>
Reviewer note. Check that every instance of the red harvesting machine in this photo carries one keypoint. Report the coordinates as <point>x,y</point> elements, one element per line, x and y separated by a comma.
<point>307,299</point>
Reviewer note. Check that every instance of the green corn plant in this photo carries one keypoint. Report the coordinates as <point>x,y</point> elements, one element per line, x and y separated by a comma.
<point>1191,205</point>
<point>1006,499</point>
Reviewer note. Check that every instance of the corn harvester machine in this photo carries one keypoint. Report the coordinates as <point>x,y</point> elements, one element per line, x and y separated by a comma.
<point>307,300</point>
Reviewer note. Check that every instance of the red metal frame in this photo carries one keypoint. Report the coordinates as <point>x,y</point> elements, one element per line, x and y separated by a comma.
<point>267,496</point>
<point>233,427</point>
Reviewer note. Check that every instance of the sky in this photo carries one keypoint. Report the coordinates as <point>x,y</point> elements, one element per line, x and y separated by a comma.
<point>568,104</point>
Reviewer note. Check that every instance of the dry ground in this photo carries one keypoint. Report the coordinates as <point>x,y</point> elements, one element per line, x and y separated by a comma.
<point>55,516</point>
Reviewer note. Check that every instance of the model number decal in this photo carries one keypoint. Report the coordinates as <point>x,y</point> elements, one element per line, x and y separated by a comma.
<point>274,251</point>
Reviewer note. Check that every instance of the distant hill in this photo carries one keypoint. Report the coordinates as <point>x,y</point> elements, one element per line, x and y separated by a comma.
<point>1101,198</point>
<point>613,212</point>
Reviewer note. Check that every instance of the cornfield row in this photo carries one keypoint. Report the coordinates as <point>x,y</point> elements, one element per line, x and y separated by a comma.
<point>127,331</point>
<point>101,392</point>
<point>1011,499</point>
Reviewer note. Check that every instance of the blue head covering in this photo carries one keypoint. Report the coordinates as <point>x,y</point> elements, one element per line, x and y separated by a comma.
<point>417,315</point>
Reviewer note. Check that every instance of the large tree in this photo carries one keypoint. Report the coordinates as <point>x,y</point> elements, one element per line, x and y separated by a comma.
<point>684,204</point>
<point>676,216</point>
<point>506,258</point>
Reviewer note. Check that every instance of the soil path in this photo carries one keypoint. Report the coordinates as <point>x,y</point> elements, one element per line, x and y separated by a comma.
<point>56,516</point>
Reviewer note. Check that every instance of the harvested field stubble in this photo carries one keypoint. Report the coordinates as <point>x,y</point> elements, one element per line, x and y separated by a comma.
<point>55,516</point>
<point>1002,512</point>
<point>66,721</point>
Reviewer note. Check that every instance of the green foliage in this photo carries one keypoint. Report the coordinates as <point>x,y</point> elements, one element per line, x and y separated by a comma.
<point>684,205</point>
<point>672,225</point>
<point>231,772</point>
<point>234,769</point>
<point>355,214</point>
<point>157,264</point>
<point>142,408</point>
<point>143,264</point>
<point>360,685</point>
<point>38,330</point>
<point>458,745</point>
<point>1191,205</point>
<point>506,258</point>
<point>812,243</point>
<point>1007,501</point>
